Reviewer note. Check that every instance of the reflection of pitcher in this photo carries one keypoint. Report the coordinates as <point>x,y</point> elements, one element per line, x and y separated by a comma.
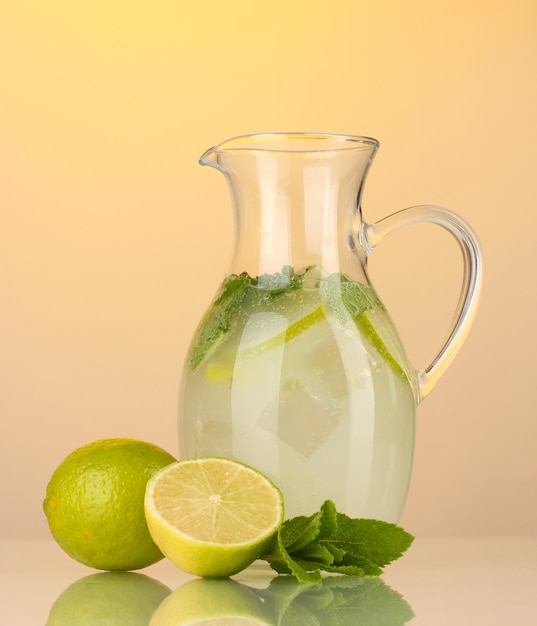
<point>296,367</point>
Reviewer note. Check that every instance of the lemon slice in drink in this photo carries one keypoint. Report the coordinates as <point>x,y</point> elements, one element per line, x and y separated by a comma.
<point>212,517</point>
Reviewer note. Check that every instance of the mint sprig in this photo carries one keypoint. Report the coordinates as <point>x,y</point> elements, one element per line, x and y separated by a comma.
<point>333,542</point>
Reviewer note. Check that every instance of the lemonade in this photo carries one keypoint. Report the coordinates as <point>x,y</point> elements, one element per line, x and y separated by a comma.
<point>301,375</point>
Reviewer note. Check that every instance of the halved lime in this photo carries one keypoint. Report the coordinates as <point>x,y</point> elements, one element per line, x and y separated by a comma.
<point>212,517</point>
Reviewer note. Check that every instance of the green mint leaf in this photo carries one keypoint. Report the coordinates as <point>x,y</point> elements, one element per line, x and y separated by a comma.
<point>337,552</point>
<point>281,561</point>
<point>217,321</point>
<point>348,299</point>
<point>329,519</point>
<point>329,529</point>
<point>300,531</point>
<point>369,544</point>
<point>335,543</point>
<point>278,283</point>
<point>316,554</point>
<point>354,301</point>
<point>383,542</point>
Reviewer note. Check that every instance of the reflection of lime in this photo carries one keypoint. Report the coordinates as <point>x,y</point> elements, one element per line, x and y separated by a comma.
<point>211,602</point>
<point>211,516</point>
<point>95,503</point>
<point>108,598</point>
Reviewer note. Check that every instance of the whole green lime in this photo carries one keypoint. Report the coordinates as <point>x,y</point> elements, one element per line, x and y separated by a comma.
<point>108,598</point>
<point>95,503</point>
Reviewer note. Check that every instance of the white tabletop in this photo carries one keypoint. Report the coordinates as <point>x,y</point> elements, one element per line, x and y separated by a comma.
<point>463,581</point>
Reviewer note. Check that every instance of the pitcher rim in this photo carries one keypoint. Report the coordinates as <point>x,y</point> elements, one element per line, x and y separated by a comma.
<point>348,142</point>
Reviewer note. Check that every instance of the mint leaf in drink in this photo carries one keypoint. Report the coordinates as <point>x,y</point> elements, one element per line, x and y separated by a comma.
<point>281,282</point>
<point>348,298</point>
<point>295,294</point>
<point>333,542</point>
<point>218,319</point>
<point>236,288</point>
<point>351,300</point>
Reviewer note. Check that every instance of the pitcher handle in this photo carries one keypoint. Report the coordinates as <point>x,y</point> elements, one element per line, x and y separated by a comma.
<point>372,234</point>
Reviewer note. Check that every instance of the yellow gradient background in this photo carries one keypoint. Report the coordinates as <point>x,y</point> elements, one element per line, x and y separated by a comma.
<point>113,239</point>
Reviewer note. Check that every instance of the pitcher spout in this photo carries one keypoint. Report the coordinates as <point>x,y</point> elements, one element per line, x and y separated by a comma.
<point>293,195</point>
<point>209,157</point>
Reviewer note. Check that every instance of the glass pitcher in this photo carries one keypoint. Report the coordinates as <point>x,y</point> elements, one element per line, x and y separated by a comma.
<point>296,368</point>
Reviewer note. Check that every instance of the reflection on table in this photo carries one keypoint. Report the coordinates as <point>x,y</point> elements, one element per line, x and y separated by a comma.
<point>132,599</point>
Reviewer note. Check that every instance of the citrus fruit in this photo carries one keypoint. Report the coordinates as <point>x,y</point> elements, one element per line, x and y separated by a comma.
<point>376,326</point>
<point>212,516</point>
<point>108,598</point>
<point>212,602</point>
<point>94,503</point>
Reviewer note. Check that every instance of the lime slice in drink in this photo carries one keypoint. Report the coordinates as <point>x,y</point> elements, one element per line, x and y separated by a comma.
<point>376,327</point>
<point>355,301</point>
<point>284,336</point>
<point>212,517</point>
<point>269,335</point>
